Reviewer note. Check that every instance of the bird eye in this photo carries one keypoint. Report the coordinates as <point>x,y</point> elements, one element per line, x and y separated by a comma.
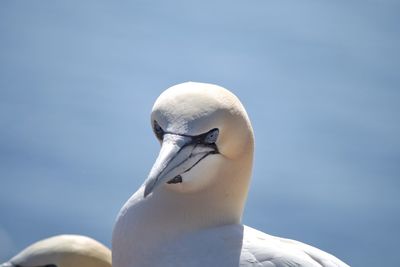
<point>212,136</point>
<point>158,130</point>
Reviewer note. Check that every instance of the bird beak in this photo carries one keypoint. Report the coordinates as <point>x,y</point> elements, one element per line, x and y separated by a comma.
<point>178,155</point>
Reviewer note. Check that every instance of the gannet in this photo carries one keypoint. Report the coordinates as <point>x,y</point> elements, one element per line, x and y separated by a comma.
<point>63,251</point>
<point>188,211</point>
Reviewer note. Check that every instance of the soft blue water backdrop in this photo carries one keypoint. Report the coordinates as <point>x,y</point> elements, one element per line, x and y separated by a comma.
<point>320,81</point>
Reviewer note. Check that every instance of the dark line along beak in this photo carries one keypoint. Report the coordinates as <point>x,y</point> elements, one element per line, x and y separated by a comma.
<point>178,155</point>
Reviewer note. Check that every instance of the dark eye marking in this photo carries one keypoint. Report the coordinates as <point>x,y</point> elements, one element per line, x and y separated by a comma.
<point>158,130</point>
<point>208,138</point>
<point>212,136</point>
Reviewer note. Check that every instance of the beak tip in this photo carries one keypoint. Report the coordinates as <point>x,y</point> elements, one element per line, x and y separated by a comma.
<point>147,191</point>
<point>148,188</point>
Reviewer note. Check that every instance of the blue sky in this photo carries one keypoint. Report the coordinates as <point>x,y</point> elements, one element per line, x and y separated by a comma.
<point>320,81</point>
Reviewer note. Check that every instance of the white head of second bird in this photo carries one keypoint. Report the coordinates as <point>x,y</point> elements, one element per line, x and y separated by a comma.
<point>63,251</point>
<point>201,176</point>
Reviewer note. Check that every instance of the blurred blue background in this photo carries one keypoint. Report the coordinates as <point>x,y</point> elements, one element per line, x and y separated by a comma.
<point>320,81</point>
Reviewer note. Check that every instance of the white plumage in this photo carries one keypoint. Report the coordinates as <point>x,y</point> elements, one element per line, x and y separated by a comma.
<point>188,211</point>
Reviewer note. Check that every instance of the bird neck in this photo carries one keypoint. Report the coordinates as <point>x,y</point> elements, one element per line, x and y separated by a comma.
<point>165,215</point>
<point>148,224</point>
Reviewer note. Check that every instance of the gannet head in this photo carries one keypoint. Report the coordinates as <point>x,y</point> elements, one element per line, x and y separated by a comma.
<point>63,251</point>
<point>205,134</point>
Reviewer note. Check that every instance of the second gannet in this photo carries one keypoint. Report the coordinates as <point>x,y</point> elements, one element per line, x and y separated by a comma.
<point>63,251</point>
